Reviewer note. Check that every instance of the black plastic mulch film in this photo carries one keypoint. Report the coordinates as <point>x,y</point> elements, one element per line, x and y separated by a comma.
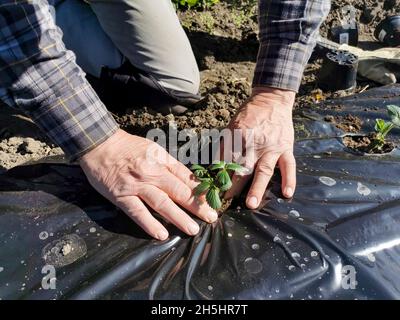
<point>338,238</point>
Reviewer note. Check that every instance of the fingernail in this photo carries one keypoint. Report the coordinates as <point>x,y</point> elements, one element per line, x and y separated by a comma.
<point>289,192</point>
<point>212,216</point>
<point>162,235</point>
<point>252,202</point>
<point>193,228</point>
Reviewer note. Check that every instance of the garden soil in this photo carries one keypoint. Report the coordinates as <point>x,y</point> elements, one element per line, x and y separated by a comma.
<point>224,39</point>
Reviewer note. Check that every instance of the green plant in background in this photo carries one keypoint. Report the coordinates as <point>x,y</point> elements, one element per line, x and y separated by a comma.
<point>208,21</point>
<point>382,128</point>
<point>214,181</point>
<point>194,3</point>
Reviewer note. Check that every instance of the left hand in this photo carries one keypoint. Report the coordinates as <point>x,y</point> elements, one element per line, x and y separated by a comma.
<point>268,112</point>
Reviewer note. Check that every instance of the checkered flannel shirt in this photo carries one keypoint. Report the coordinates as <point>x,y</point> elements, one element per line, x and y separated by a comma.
<point>288,32</point>
<point>39,76</point>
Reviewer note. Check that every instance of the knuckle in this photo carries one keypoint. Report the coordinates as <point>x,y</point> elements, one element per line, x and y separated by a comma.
<point>291,162</point>
<point>132,209</point>
<point>160,203</point>
<point>265,169</point>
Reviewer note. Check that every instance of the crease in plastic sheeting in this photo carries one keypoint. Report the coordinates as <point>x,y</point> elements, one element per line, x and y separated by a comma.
<point>132,265</point>
<point>288,249</point>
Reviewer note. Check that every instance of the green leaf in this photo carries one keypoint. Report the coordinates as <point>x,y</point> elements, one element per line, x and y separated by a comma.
<point>224,180</point>
<point>394,113</point>
<point>218,165</point>
<point>192,3</point>
<point>213,198</point>
<point>226,186</point>
<point>379,125</point>
<point>202,187</point>
<point>234,167</point>
<point>199,173</point>
<point>197,167</point>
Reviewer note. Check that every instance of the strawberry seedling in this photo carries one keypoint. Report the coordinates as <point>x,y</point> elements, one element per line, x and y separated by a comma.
<point>214,181</point>
<point>382,128</point>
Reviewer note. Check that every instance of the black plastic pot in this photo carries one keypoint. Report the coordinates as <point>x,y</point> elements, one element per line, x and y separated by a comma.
<point>338,71</point>
<point>388,31</point>
<point>345,35</point>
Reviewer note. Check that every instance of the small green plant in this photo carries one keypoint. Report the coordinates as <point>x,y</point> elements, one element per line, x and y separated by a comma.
<point>194,3</point>
<point>214,181</point>
<point>208,21</point>
<point>382,128</point>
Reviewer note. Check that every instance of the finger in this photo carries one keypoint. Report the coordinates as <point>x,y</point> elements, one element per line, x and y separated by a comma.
<point>161,203</point>
<point>138,212</point>
<point>240,179</point>
<point>183,173</point>
<point>180,193</point>
<point>262,175</point>
<point>287,165</point>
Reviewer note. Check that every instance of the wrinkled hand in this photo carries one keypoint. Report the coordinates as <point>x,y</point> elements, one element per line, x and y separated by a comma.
<point>129,170</point>
<point>268,112</point>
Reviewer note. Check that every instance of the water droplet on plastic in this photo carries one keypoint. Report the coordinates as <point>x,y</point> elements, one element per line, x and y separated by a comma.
<point>279,200</point>
<point>229,223</point>
<point>292,268</point>
<point>314,254</point>
<point>277,239</point>
<point>43,235</point>
<point>295,255</point>
<point>1,269</point>
<point>210,288</point>
<point>327,181</point>
<point>371,257</point>
<point>253,265</point>
<point>229,235</point>
<point>290,237</point>
<point>362,189</point>
<point>247,236</point>
<point>255,246</point>
<point>294,213</point>
<point>92,230</point>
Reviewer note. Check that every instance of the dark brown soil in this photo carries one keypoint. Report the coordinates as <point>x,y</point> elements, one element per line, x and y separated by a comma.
<point>225,206</point>
<point>362,143</point>
<point>348,123</point>
<point>224,40</point>
<point>368,12</point>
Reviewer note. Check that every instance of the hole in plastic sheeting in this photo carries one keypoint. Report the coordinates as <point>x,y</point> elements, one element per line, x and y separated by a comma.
<point>64,251</point>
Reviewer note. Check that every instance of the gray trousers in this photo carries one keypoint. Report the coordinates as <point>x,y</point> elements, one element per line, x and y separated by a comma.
<point>145,32</point>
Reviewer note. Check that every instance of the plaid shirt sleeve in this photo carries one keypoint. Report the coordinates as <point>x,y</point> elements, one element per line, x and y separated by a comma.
<point>288,31</point>
<point>41,78</point>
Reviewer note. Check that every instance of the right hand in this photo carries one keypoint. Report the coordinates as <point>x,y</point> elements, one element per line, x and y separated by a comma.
<point>121,170</point>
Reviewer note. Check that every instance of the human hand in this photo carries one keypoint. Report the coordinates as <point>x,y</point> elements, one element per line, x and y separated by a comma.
<point>268,113</point>
<point>129,170</point>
